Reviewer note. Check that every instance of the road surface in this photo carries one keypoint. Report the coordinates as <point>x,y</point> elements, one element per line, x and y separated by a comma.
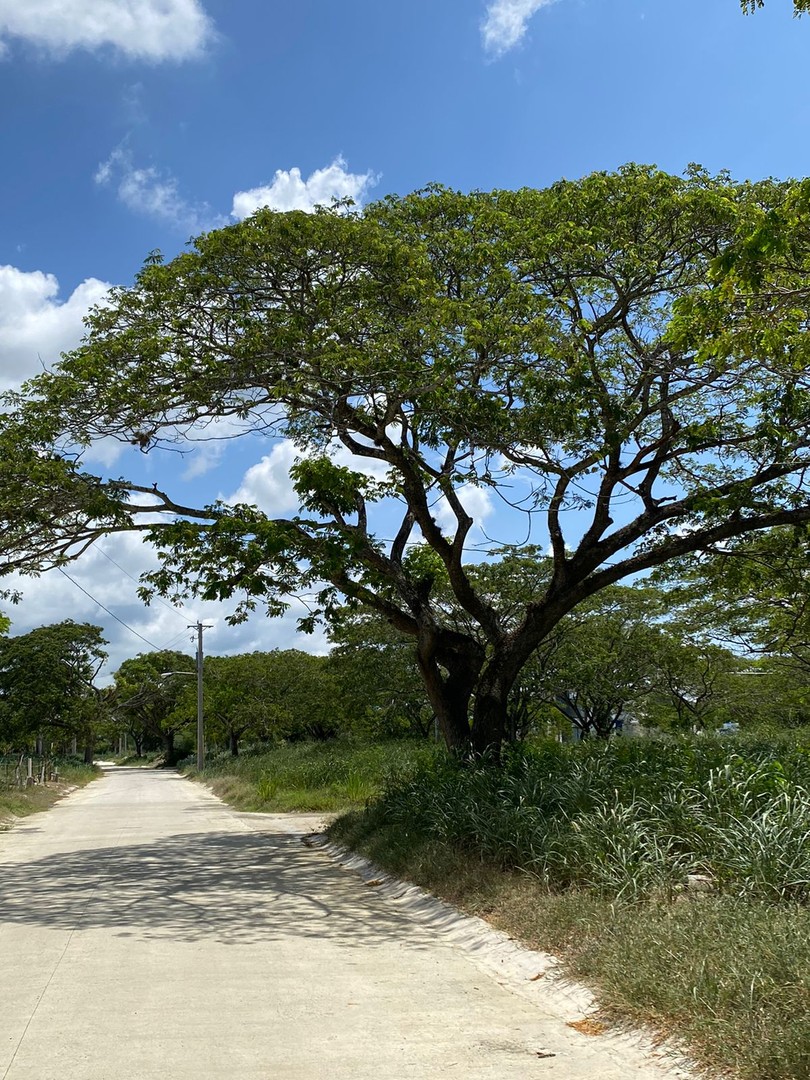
<point>149,931</point>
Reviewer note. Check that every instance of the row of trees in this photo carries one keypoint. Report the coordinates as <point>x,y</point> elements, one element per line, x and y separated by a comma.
<point>267,696</point>
<point>727,640</point>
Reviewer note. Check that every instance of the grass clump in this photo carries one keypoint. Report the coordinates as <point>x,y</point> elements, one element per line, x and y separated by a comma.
<point>672,876</point>
<point>309,776</point>
<point>628,820</point>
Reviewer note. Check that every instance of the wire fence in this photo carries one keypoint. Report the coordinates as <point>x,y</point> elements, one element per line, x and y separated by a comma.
<point>24,770</point>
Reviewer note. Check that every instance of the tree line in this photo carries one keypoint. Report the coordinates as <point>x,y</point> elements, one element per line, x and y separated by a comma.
<point>720,642</point>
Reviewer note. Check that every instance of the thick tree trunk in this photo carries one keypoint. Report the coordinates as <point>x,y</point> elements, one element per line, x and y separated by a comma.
<point>168,747</point>
<point>450,670</point>
<point>451,707</point>
<point>233,741</point>
<point>490,728</point>
<point>491,724</point>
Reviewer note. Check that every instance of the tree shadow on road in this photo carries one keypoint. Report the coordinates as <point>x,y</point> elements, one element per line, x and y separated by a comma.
<point>239,888</point>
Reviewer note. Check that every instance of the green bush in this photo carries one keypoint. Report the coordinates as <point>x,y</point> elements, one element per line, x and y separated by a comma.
<point>629,819</point>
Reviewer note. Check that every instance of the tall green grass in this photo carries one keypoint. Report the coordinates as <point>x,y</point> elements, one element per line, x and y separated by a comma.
<point>310,776</point>
<point>629,819</point>
<point>673,876</point>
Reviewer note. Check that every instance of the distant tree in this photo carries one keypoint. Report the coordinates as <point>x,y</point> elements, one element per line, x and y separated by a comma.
<point>774,694</point>
<point>628,346</point>
<point>377,674</point>
<point>693,683</point>
<point>250,695</point>
<point>753,592</point>
<point>235,690</point>
<point>607,660</point>
<point>149,689</point>
<point>47,685</point>
<point>134,724</point>
<point>303,701</point>
<point>270,696</point>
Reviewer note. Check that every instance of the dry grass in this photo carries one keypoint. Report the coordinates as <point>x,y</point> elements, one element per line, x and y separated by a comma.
<point>729,980</point>
<point>17,803</point>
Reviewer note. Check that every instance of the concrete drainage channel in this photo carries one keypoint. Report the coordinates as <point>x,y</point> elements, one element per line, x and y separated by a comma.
<point>535,976</point>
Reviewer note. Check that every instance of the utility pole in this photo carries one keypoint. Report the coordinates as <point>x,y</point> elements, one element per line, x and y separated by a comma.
<point>199,627</point>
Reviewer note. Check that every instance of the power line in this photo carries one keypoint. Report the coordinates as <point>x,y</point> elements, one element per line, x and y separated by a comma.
<point>169,607</point>
<point>182,634</point>
<point>112,614</point>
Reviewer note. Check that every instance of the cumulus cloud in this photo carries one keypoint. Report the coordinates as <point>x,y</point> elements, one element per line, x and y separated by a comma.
<point>35,324</point>
<point>505,23</point>
<point>151,30</point>
<point>153,193</point>
<point>268,486</point>
<point>289,191</point>
<point>477,501</point>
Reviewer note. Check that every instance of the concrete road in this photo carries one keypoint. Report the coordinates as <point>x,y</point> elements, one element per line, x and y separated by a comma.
<point>148,931</point>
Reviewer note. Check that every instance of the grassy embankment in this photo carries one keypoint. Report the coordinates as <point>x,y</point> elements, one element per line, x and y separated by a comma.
<point>16,802</point>
<point>309,776</point>
<point>673,877</point>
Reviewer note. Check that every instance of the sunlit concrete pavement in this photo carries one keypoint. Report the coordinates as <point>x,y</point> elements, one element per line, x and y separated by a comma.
<point>146,930</point>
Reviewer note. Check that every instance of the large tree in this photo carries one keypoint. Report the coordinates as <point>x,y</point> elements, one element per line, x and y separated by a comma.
<point>592,352</point>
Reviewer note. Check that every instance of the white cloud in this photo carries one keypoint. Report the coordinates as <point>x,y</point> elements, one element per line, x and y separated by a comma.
<point>267,484</point>
<point>152,30</point>
<point>35,325</point>
<point>154,193</point>
<point>506,22</point>
<point>477,501</point>
<point>289,191</point>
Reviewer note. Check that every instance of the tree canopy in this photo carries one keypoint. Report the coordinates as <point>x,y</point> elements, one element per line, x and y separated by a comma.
<point>150,698</point>
<point>46,683</point>
<point>621,359</point>
<point>281,694</point>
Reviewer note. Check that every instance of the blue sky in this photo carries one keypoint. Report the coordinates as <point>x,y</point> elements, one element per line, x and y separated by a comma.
<point>129,125</point>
